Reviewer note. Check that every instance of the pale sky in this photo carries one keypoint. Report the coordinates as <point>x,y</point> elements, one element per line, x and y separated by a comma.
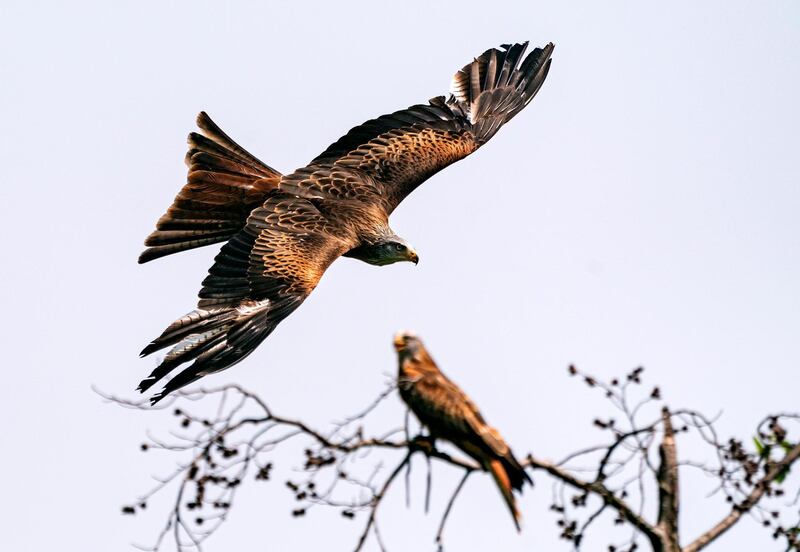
<point>642,210</point>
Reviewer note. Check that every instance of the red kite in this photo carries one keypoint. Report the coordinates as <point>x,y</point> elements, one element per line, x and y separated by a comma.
<point>449,414</point>
<point>283,231</point>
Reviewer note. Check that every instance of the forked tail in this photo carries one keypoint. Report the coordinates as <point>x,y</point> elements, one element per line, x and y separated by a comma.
<point>225,183</point>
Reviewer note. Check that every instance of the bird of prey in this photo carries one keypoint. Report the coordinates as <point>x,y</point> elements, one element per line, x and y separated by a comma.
<point>283,231</point>
<point>449,414</point>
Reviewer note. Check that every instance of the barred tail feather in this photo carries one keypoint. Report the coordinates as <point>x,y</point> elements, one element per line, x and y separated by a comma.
<point>225,183</point>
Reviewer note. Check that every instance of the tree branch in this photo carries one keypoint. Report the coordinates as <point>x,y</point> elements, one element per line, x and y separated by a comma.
<point>440,532</point>
<point>602,491</point>
<point>667,525</point>
<point>752,499</point>
<point>376,501</point>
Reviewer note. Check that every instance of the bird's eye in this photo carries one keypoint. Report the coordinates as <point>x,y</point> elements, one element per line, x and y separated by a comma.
<point>399,247</point>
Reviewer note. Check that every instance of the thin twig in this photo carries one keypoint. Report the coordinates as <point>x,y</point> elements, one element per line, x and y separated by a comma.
<point>449,507</point>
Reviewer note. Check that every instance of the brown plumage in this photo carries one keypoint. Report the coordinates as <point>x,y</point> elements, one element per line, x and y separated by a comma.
<point>283,231</point>
<point>449,414</point>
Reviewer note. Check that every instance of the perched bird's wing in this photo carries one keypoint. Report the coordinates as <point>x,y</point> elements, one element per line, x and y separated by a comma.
<point>259,277</point>
<point>450,414</point>
<point>225,183</point>
<point>403,149</point>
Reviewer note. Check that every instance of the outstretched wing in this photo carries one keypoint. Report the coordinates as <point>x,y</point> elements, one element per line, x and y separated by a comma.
<point>259,277</point>
<point>403,149</point>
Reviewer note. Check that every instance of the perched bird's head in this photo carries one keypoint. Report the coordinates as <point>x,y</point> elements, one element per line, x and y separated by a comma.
<point>406,341</point>
<point>389,250</point>
<point>414,362</point>
<point>410,348</point>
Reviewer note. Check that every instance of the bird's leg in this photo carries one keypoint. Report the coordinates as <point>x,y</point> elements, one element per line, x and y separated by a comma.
<point>425,443</point>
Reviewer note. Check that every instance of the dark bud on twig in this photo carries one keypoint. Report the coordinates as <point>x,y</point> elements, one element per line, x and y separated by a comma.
<point>635,375</point>
<point>263,473</point>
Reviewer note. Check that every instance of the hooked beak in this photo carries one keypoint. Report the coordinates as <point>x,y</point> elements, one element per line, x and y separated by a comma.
<point>413,257</point>
<point>400,339</point>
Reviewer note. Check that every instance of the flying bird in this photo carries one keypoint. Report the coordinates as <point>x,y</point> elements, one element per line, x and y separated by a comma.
<point>449,414</point>
<point>283,231</point>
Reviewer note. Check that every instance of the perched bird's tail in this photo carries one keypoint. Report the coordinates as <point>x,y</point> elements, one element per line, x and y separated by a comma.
<point>225,183</point>
<point>501,475</point>
<point>496,86</point>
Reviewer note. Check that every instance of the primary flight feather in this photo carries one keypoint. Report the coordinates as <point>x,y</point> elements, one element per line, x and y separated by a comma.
<point>283,231</point>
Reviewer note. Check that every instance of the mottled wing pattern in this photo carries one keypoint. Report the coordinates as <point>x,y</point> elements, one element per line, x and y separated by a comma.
<point>331,187</point>
<point>450,413</point>
<point>404,159</point>
<point>405,148</point>
<point>285,247</point>
<point>225,183</point>
<point>259,277</point>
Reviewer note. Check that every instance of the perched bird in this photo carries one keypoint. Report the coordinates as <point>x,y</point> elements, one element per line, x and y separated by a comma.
<point>449,414</point>
<point>283,231</point>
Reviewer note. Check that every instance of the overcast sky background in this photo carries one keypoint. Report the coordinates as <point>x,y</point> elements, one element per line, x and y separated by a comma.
<point>642,210</point>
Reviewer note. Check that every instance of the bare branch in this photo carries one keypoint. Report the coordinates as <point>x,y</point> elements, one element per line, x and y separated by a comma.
<point>667,524</point>
<point>450,503</point>
<point>376,501</point>
<point>344,468</point>
<point>599,489</point>
<point>745,506</point>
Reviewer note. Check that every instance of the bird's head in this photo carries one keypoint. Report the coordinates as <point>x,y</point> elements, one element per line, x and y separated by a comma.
<point>406,342</point>
<point>390,250</point>
<point>414,360</point>
<point>410,347</point>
